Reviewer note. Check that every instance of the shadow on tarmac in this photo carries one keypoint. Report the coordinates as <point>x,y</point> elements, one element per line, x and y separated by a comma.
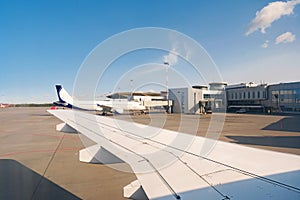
<point>290,124</point>
<point>274,141</point>
<point>20,182</point>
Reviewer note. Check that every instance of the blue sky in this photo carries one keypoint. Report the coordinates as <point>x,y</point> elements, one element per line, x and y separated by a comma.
<point>43,43</point>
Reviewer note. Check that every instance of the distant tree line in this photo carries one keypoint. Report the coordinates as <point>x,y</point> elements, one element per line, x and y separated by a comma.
<point>32,105</point>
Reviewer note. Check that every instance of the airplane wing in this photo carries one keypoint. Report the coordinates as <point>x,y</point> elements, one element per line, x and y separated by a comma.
<point>168,169</point>
<point>110,109</point>
<point>105,108</point>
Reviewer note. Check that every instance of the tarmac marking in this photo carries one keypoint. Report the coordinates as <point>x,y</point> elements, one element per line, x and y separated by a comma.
<point>57,136</point>
<point>40,151</point>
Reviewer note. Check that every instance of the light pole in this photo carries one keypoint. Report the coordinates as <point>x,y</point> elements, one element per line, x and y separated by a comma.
<point>167,89</point>
<point>131,86</point>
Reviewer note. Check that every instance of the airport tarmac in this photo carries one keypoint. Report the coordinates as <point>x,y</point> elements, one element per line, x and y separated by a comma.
<point>37,162</point>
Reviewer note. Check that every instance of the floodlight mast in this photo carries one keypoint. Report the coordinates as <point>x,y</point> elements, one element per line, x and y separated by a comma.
<point>167,89</point>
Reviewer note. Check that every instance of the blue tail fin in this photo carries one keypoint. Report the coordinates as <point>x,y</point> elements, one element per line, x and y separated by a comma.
<point>58,89</point>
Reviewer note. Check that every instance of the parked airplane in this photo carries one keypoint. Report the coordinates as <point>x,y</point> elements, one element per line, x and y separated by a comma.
<point>104,106</point>
<point>4,105</point>
<point>227,171</point>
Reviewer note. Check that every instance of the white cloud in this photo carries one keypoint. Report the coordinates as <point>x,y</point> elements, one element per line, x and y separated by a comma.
<point>270,13</point>
<point>266,44</point>
<point>285,38</point>
<point>171,58</point>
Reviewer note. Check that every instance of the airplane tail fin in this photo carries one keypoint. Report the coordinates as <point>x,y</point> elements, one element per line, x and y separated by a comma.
<point>63,95</point>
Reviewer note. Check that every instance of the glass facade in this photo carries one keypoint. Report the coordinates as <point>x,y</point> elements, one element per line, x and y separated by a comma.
<point>286,99</point>
<point>273,98</point>
<point>246,95</point>
<point>297,96</point>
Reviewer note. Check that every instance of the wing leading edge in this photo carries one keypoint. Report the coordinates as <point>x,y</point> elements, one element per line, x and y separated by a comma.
<point>167,170</point>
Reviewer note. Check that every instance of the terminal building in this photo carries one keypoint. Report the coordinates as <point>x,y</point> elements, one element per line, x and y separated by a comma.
<point>245,97</point>
<point>221,97</point>
<point>283,97</point>
<point>199,99</point>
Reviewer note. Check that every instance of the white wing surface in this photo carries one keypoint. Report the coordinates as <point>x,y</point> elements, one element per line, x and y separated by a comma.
<point>168,169</point>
